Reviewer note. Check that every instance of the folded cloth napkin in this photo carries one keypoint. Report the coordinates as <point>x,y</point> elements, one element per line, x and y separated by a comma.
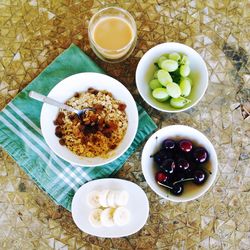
<point>21,137</point>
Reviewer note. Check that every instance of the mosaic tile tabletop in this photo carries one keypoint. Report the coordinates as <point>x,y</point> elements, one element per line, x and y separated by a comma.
<point>34,32</point>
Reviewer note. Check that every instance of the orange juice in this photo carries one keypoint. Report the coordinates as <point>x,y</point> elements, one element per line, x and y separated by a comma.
<point>112,33</point>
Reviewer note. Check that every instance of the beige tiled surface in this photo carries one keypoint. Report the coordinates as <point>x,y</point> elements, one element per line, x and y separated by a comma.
<point>33,33</point>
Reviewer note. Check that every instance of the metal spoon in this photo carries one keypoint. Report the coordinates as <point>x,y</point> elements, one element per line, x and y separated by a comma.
<point>48,100</point>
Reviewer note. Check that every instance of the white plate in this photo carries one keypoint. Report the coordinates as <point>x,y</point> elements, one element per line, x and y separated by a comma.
<point>79,83</point>
<point>137,204</point>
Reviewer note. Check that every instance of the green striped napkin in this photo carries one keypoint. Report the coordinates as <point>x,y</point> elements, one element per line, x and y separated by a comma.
<point>21,137</point>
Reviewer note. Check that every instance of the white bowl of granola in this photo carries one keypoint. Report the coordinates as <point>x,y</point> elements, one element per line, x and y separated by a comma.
<point>101,136</point>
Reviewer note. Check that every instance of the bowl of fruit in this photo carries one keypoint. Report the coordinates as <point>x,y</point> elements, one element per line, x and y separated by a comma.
<point>179,163</point>
<point>171,77</point>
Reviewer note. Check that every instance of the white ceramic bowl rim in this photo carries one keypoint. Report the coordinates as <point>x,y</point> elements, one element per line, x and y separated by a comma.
<point>148,150</point>
<point>164,48</point>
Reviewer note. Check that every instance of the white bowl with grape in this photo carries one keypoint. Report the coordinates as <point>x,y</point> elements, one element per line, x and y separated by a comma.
<point>171,77</point>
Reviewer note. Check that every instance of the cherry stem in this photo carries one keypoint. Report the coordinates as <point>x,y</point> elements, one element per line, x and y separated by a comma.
<point>161,184</point>
<point>188,179</point>
<point>207,171</point>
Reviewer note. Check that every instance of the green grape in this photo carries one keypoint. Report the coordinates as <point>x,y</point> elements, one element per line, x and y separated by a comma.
<point>185,86</point>
<point>160,60</point>
<point>154,84</point>
<point>164,77</point>
<point>173,89</point>
<point>184,60</point>
<point>179,102</point>
<point>187,79</point>
<point>184,70</point>
<point>160,94</point>
<point>156,74</point>
<point>169,65</point>
<point>174,56</point>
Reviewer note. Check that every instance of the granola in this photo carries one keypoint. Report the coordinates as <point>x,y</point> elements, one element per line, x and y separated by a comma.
<point>97,132</point>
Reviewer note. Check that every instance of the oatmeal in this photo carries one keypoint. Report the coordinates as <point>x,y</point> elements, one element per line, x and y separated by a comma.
<point>97,132</point>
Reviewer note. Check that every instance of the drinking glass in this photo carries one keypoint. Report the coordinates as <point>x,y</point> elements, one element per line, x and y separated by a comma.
<point>112,55</point>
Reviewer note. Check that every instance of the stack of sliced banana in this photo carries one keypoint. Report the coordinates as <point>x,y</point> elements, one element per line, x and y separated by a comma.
<point>109,207</point>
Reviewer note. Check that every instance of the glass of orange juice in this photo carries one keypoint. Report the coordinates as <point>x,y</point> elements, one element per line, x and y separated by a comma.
<point>112,34</point>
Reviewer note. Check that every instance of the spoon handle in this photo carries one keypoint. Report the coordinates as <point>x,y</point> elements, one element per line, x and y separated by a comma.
<point>48,100</point>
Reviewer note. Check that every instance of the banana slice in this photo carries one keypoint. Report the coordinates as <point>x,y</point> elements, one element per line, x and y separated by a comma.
<point>93,199</point>
<point>121,216</point>
<point>111,199</point>
<point>107,217</point>
<point>95,217</point>
<point>103,198</point>
<point>121,198</point>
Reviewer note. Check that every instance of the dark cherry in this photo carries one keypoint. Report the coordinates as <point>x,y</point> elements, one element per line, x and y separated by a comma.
<point>180,162</point>
<point>183,164</point>
<point>185,145</point>
<point>178,176</point>
<point>199,176</point>
<point>189,173</point>
<point>168,144</point>
<point>161,177</point>
<point>200,155</point>
<point>169,154</point>
<point>168,182</point>
<point>160,156</point>
<point>177,189</point>
<point>168,166</point>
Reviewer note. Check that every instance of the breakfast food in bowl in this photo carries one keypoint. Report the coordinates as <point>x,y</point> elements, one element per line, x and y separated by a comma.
<point>97,132</point>
<point>99,84</point>
<point>179,163</point>
<point>171,77</point>
<point>109,207</point>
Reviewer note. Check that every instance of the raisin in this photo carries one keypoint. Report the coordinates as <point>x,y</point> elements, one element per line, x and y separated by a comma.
<point>112,125</point>
<point>122,106</point>
<point>113,146</point>
<point>90,129</point>
<point>95,139</point>
<point>93,91</point>
<point>60,119</point>
<point>75,121</point>
<point>58,132</point>
<point>98,108</point>
<point>77,95</point>
<point>93,118</point>
<point>73,117</point>
<point>84,140</point>
<point>62,142</point>
<point>106,125</point>
<point>107,93</point>
<point>81,127</point>
<point>108,134</point>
